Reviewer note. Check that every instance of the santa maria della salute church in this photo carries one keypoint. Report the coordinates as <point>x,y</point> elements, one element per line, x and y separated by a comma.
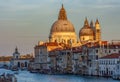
<point>64,53</point>
<point>63,31</point>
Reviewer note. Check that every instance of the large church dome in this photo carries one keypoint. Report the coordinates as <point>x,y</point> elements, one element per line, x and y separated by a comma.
<point>62,30</point>
<point>62,26</point>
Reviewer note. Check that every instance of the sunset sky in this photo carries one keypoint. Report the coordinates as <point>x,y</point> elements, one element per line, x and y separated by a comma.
<point>25,22</point>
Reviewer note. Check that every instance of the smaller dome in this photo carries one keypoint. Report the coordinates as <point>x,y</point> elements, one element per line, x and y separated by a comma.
<point>86,31</point>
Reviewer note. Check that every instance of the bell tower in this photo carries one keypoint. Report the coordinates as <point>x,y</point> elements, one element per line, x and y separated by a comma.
<point>97,31</point>
<point>16,54</point>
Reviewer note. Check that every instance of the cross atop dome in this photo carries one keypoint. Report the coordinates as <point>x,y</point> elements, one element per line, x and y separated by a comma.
<point>62,14</point>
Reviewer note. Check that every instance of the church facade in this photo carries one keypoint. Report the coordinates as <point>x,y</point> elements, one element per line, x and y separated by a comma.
<point>63,31</point>
<point>20,61</point>
<point>90,33</point>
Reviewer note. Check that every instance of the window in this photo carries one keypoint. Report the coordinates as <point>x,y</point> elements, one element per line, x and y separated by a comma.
<point>99,62</point>
<point>18,64</point>
<point>25,64</point>
<point>68,41</point>
<point>111,72</point>
<point>98,30</point>
<point>96,56</point>
<point>109,61</point>
<point>40,51</point>
<point>68,52</point>
<point>55,40</point>
<point>114,50</point>
<point>62,53</point>
<point>16,57</point>
<point>83,38</point>
<point>96,51</point>
<point>117,66</point>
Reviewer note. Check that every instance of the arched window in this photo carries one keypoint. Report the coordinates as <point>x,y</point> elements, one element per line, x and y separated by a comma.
<point>18,64</point>
<point>83,38</point>
<point>16,57</point>
<point>25,64</point>
<point>55,40</point>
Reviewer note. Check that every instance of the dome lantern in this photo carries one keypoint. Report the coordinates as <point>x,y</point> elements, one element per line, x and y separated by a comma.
<point>62,14</point>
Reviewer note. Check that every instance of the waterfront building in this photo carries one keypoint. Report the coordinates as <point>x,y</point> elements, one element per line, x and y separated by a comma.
<point>20,61</point>
<point>107,64</point>
<point>53,56</point>
<point>105,48</point>
<point>65,61</point>
<point>97,50</point>
<point>77,59</point>
<point>60,61</point>
<point>116,72</point>
<point>42,55</point>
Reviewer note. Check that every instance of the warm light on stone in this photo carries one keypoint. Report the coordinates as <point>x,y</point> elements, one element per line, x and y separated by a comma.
<point>62,31</point>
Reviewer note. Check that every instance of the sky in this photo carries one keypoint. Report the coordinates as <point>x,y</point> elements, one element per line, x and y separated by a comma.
<point>25,22</point>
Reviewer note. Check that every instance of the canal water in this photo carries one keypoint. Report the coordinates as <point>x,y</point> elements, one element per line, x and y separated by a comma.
<point>25,76</point>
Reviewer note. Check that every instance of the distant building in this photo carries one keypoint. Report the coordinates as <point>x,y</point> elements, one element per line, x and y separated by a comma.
<point>20,61</point>
<point>5,61</point>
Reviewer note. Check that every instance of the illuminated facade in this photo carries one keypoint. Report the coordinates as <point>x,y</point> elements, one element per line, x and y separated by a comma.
<point>62,30</point>
<point>90,33</point>
<point>20,61</point>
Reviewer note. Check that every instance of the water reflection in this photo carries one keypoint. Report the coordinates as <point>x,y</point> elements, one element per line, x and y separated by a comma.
<point>28,77</point>
<point>25,76</point>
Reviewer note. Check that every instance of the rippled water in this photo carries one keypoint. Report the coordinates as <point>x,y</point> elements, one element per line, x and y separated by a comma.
<point>25,76</point>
